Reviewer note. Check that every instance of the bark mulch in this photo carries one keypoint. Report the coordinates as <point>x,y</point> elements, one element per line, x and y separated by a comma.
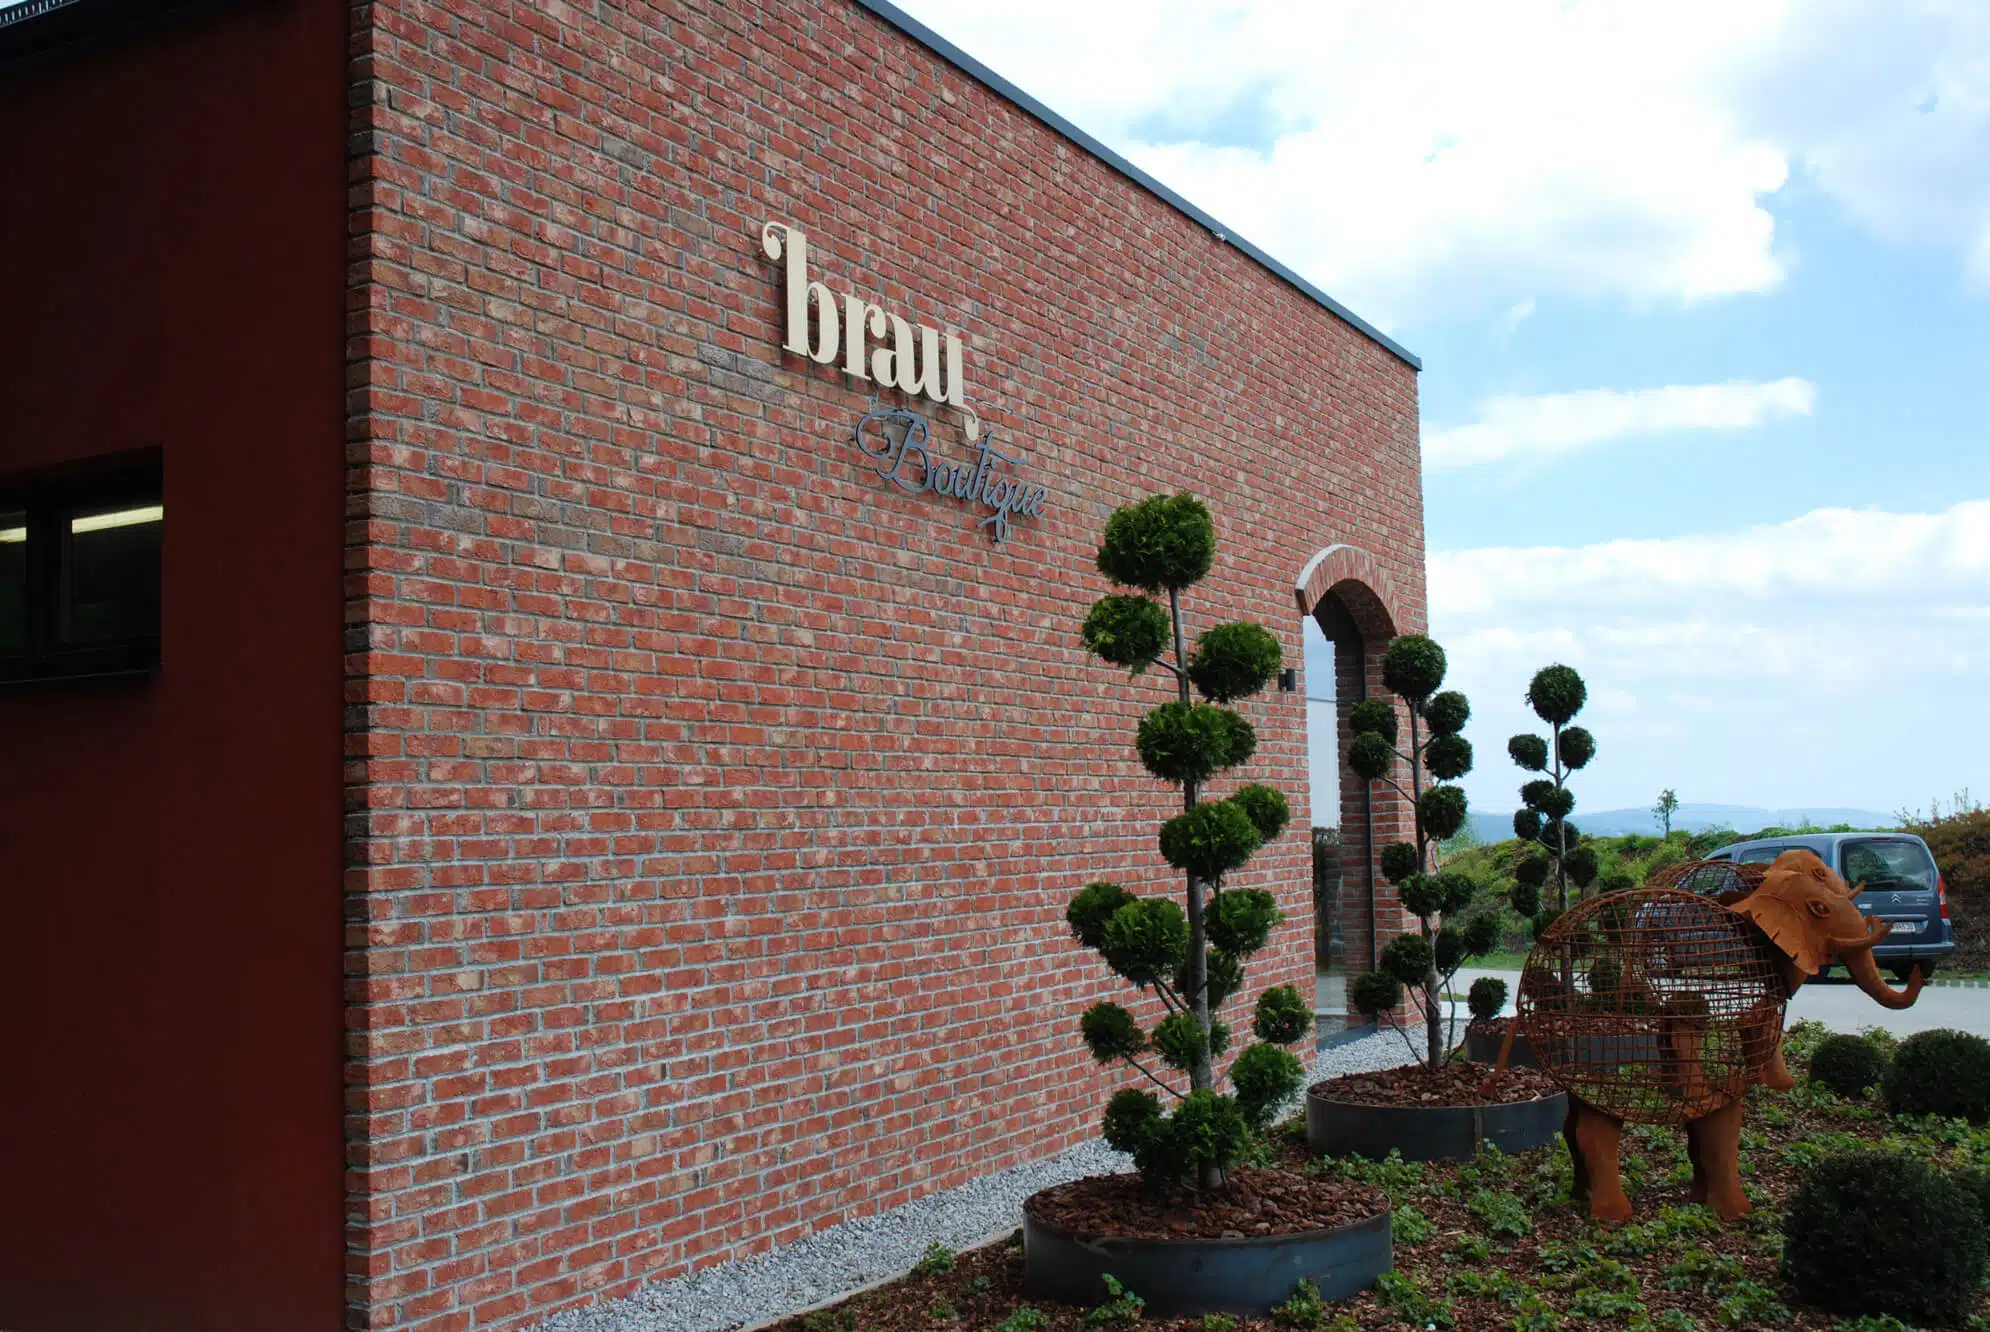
<point>1453,1084</point>
<point>1257,1202</point>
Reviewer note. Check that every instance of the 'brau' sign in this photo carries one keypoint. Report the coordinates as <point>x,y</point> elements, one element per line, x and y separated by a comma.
<point>919,361</point>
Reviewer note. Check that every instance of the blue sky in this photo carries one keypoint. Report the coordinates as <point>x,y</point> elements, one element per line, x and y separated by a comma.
<point>1703,296</point>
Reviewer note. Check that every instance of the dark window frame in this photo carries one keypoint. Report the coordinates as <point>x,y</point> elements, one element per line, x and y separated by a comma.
<point>50,501</point>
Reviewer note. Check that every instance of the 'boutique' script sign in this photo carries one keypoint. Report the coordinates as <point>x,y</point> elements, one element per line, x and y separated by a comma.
<point>880,348</point>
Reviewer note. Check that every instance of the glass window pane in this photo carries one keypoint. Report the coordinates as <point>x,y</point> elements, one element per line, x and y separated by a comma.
<point>13,583</point>
<point>112,583</point>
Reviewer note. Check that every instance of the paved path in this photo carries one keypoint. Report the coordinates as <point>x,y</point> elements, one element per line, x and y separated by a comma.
<point>1841,1007</point>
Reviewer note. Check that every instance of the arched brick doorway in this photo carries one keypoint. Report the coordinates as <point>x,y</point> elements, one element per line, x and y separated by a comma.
<point>1351,597</point>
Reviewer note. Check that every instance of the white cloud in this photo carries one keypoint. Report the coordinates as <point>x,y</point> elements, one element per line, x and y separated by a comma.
<point>1558,422</point>
<point>1456,155</point>
<point>1833,659</point>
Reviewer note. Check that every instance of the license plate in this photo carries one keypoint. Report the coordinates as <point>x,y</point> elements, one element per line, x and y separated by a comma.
<point>1906,927</point>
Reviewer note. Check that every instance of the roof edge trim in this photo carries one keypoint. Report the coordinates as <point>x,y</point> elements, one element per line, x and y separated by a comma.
<point>974,69</point>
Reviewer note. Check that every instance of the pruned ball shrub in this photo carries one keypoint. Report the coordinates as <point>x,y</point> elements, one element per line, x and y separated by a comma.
<point>1234,661</point>
<point>1486,998</point>
<point>1126,631</point>
<point>1877,1233</point>
<point>1944,1073</point>
<point>1847,1065</point>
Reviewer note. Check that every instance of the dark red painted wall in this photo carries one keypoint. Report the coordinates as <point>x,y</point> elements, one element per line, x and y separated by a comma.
<point>172,233</point>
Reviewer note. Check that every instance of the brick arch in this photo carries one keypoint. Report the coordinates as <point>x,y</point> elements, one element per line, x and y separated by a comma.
<point>1360,582</point>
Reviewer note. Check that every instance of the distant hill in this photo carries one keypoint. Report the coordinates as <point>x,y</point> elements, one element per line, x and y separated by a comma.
<point>1493,827</point>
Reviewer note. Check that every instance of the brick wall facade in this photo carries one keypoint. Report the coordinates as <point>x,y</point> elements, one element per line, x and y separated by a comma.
<point>712,807</point>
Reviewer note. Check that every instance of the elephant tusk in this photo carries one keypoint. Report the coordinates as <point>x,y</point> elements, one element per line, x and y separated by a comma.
<point>1876,930</point>
<point>1852,893</point>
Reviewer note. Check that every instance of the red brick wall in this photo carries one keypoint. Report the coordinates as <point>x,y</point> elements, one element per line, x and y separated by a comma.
<point>172,214</point>
<point>713,807</point>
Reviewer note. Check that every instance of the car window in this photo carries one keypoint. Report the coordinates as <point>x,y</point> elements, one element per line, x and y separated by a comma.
<point>1759,855</point>
<point>1891,866</point>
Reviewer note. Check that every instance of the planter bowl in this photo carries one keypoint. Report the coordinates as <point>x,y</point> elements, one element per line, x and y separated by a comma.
<point>1482,1047</point>
<point>1182,1278</point>
<point>1429,1133</point>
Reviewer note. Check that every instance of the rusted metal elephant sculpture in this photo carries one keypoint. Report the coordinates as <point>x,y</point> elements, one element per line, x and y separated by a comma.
<point>1663,1006</point>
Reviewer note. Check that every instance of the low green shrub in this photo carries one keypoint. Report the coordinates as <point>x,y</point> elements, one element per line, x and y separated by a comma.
<point>1944,1073</point>
<point>1847,1065</point>
<point>1873,1233</point>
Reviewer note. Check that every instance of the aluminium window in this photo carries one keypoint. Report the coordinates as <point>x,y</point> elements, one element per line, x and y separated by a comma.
<point>79,573</point>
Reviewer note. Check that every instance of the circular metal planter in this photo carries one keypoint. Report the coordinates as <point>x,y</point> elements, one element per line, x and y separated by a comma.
<point>1430,1133</point>
<point>1482,1047</point>
<point>1181,1278</point>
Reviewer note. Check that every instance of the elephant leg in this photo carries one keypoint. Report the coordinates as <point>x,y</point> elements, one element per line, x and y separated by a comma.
<point>1579,1190</point>
<point>1720,1159</point>
<point>1776,1075</point>
<point>1696,1153</point>
<point>1598,1138</point>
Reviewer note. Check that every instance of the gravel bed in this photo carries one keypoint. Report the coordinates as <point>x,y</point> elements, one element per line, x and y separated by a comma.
<point>845,1258</point>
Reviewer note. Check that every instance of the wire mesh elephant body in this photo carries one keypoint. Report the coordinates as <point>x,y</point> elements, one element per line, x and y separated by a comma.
<point>1656,1006</point>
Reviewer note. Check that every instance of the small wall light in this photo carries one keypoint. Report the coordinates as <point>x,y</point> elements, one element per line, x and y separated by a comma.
<point>1288,680</point>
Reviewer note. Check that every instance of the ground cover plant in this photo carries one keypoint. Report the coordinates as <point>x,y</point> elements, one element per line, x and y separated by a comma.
<point>1495,1244</point>
<point>1189,955</point>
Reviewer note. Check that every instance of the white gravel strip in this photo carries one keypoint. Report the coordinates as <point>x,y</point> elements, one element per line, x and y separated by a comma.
<point>845,1258</point>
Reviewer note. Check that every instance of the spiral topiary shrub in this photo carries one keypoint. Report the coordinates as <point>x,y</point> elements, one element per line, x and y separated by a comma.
<point>1876,1233</point>
<point>1847,1065</point>
<point>1188,955</point>
<point>1944,1073</point>
<point>1552,847</point>
<point>1419,964</point>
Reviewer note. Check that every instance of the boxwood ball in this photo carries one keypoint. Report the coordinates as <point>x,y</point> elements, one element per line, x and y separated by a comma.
<point>1577,746</point>
<point>1160,543</point>
<point>1556,694</point>
<point>1127,631</point>
<point>1374,714</point>
<point>1413,667</point>
<point>1234,661</point>
<point>1529,751</point>
<point>1447,712</point>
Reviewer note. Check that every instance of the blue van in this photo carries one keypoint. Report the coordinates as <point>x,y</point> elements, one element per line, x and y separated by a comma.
<point>1902,886</point>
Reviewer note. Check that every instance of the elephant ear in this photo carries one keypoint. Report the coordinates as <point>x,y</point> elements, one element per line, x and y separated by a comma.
<point>1779,909</point>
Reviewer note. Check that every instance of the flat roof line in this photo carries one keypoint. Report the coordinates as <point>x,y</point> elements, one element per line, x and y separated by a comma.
<point>974,69</point>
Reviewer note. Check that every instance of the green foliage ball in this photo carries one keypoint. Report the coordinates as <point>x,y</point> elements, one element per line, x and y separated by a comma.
<point>1482,933</point>
<point>1557,802</point>
<point>1526,898</point>
<point>1209,840</point>
<point>1399,861</point>
<point>1282,1016</point>
<point>1944,1073</point>
<point>1975,1181</point>
<point>1421,894</point>
<point>1459,890</point>
<point>1266,808</point>
<point>1576,747</point>
<point>1413,667</point>
<point>1533,871</point>
<point>1243,737</point>
<point>1241,920</point>
<point>1408,958</point>
<point>1878,1233</point>
<point>1529,751</point>
<point>1449,757</point>
<point>1581,865</point>
<point>1447,951</point>
<point>1161,542</point>
<point>1374,715</point>
<point>1234,661</point>
<point>1145,939</point>
<point>1556,694</point>
<point>1544,919</point>
<point>1219,1037</point>
<point>1093,906</point>
<point>1111,1033</point>
<point>1265,1077</point>
<point>1223,977</point>
<point>1374,993</point>
<point>1847,1065</point>
<point>1181,1041</point>
<point>1441,811</point>
<point>1370,756</point>
<point>1533,793</point>
<point>1559,833</point>
<point>1129,1114</point>
<point>1526,824</point>
<point>1486,998</point>
<point>1447,713</point>
<point>1187,742</point>
<point>1208,1129</point>
<point>1127,631</point>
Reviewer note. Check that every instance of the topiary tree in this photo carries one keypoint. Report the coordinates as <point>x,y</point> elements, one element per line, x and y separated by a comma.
<point>1438,754</point>
<point>1554,850</point>
<point>1192,960</point>
<point>1876,1233</point>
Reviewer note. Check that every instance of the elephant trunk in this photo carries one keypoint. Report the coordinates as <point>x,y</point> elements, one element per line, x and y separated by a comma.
<point>1865,972</point>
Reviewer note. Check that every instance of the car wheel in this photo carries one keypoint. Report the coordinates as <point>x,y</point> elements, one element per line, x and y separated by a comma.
<point>1927,971</point>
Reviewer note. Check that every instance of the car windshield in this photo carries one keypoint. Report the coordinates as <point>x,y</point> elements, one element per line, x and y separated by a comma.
<point>1890,866</point>
<point>1762,855</point>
